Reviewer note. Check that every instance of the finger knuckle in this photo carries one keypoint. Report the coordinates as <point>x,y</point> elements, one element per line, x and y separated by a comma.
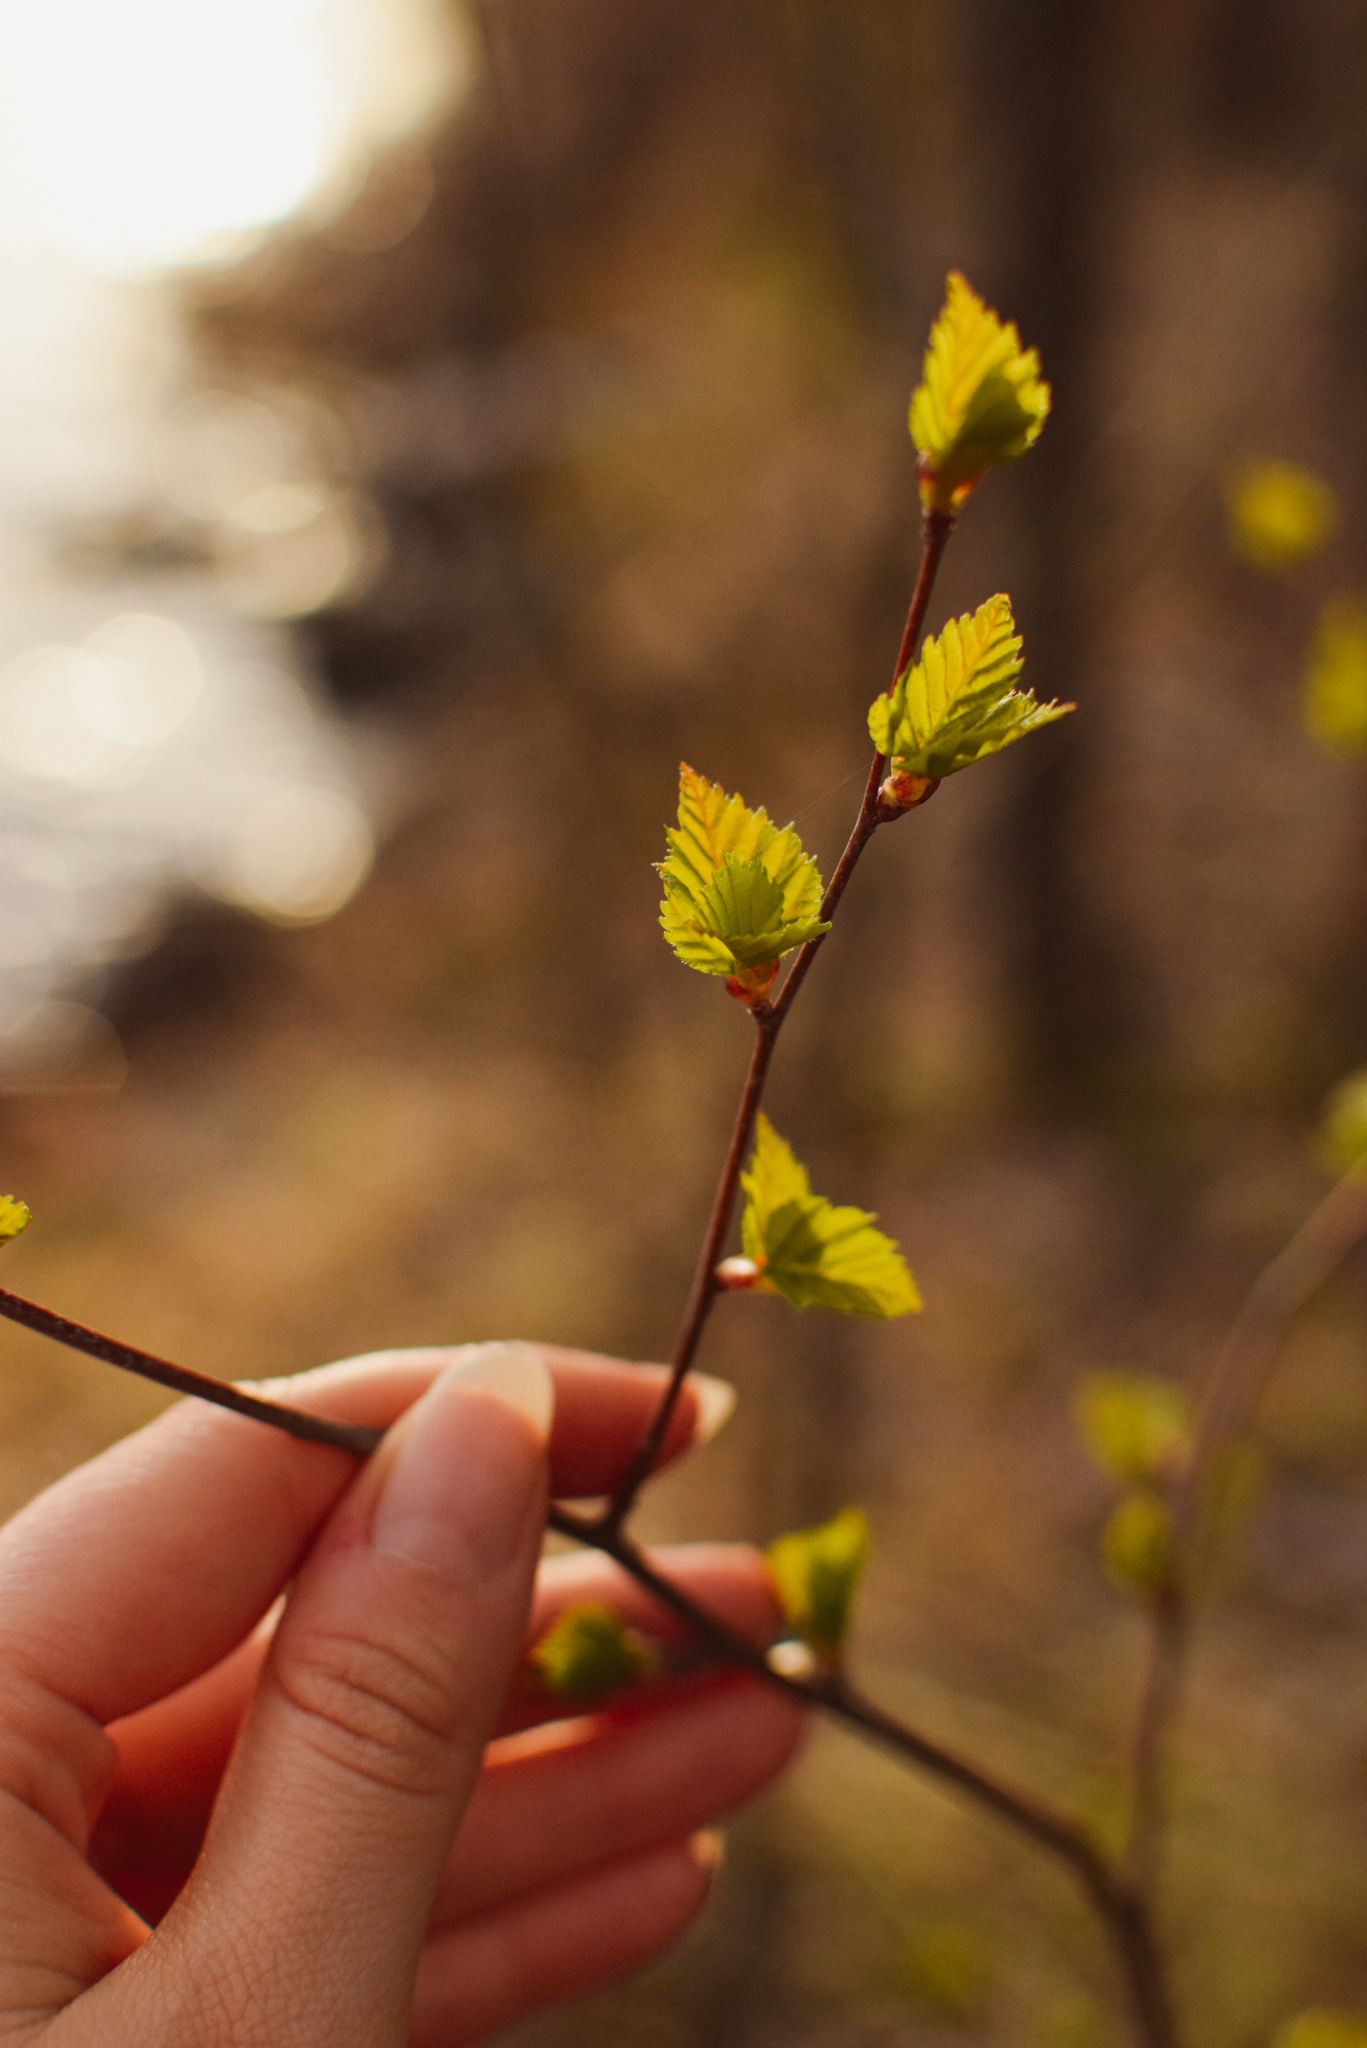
<point>383,1711</point>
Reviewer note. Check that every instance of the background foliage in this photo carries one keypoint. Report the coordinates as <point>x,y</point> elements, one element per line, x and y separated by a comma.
<point>629,403</point>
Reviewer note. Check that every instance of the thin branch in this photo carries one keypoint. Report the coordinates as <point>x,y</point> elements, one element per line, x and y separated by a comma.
<point>704,1288</point>
<point>1121,1910</point>
<point>936,527</point>
<point>832,1694</point>
<point>835,1696</point>
<point>935,532</point>
<point>344,1436</point>
<point>1118,1900</point>
<point>1158,1705</point>
<point>1259,1330</point>
<point>1237,1379</point>
<point>1119,1906</point>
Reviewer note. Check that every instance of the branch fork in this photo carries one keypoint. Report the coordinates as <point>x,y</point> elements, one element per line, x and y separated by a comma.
<point>1118,1891</point>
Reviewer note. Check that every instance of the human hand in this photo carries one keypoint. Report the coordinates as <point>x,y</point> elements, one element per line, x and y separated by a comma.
<point>283,1802</point>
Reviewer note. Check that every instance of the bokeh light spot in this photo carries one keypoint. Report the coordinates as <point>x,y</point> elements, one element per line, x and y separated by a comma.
<point>299,854</point>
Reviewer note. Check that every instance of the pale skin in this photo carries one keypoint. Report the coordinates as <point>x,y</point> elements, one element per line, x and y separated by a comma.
<point>351,1822</point>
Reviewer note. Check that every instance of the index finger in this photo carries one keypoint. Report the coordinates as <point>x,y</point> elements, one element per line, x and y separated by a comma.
<point>148,1565</point>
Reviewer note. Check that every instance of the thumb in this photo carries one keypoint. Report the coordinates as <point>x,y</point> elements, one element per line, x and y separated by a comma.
<point>366,1737</point>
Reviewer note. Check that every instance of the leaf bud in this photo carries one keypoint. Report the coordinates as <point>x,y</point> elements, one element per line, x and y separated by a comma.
<point>900,793</point>
<point>736,1273</point>
<point>791,1659</point>
<point>751,985</point>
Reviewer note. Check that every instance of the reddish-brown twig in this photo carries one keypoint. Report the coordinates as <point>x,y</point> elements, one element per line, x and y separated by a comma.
<point>832,1694</point>
<point>769,1017</point>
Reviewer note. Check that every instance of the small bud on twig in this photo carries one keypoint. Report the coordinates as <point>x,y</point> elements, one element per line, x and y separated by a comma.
<point>792,1659</point>
<point>737,1273</point>
<point>901,793</point>
<point>752,985</point>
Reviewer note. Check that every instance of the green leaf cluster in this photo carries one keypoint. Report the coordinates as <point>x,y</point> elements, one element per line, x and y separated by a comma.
<point>959,702</point>
<point>1343,1128</point>
<point>816,1573</point>
<point>1335,699</point>
<point>739,892</point>
<point>1137,1429</point>
<point>14,1217</point>
<point>981,399</point>
<point>811,1252</point>
<point>589,1652</point>
<point>1279,514</point>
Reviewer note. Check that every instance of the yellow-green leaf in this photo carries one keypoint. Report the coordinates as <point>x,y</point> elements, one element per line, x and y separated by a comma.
<point>1138,1429</point>
<point>14,1217</point>
<point>1343,1130</point>
<point>775,1176</point>
<point>959,702</point>
<point>1279,514</point>
<point>815,1574</point>
<point>1137,1543</point>
<point>1322,2028</point>
<point>739,892</point>
<point>813,1253</point>
<point>588,1652</point>
<point>981,398</point>
<point>1335,701</point>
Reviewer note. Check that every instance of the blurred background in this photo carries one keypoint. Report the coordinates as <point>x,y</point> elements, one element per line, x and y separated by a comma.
<point>421,425</point>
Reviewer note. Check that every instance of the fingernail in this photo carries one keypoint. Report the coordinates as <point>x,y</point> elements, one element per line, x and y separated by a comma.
<point>716,1404</point>
<point>466,1472</point>
<point>515,1371</point>
<point>708,1849</point>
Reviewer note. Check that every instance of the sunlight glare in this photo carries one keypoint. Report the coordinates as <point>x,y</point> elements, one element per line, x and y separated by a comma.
<point>157,132</point>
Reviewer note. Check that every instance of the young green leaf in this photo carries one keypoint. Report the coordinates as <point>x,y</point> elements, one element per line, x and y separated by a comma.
<point>959,702</point>
<point>815,1574</point>
<point>1137,1429</point>
<point>1335,701</point>
<point>1343,1130</point>
<point>739,892</point>
<point>811,1252</point>
<point>1137,1544</point>
<point>14,1217</point>
<point>1279,514</point>
<point>981,399</point>
<point>588,1652</point>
